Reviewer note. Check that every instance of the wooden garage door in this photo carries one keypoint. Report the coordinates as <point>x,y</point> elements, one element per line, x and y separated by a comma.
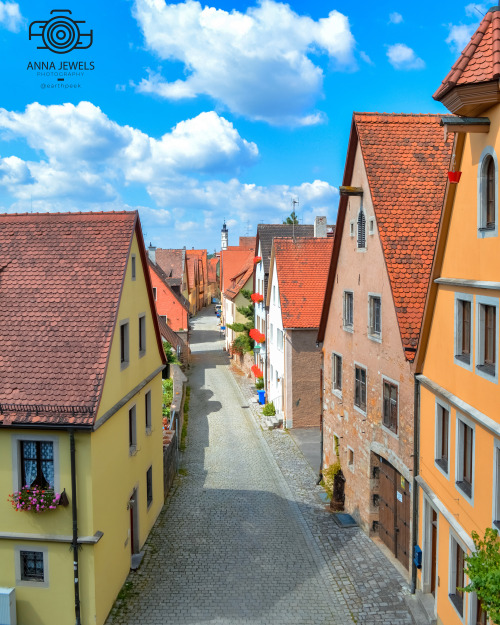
<point>394,519</point>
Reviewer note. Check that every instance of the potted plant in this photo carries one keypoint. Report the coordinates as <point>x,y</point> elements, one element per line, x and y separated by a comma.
<point>37,499</point>
<point>454,176</point>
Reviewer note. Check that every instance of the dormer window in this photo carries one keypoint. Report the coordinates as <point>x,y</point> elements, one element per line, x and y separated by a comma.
<point>487,192</point>
<point>361,229</point>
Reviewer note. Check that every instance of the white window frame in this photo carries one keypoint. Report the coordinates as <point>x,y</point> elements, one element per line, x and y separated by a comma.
<point>271,332</point>
<point>496,485</point>
<point>373,336</point>
<point>483,300</point>
<point>337,391</point>
<point>133,267</point>
<point>17,566</point>
<point>16,458</point>
<point>147,411</point>
<point>482,232</point>
<point>347,327</point>
<point>279,339</point>
<point>352,229</point>
<point>452,572</point>
<point>125,363</point>
<point>384,427</point>
<point>350,451</point>
<point>438,436</point>
<point>458,360</point>
<point>274,295</point>
<point>361,213</point>
<point>459,469</point>
<point>357,408</point>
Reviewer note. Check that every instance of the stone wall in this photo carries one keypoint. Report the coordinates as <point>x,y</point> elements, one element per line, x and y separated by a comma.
<point>303,405</point>
<point>171,437</point>
<point>170,459</point>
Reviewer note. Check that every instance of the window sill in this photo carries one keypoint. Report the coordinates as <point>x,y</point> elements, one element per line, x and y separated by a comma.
<point>142,353</point>
<point>149,431</point>
<point>337,393</point>
<point>458,603</point>
<point>377,338</point>
<point>390,431</point>
<point>360,410</point>
<point>124,365</point>
<point>442,464</point>
<point>465,487</point>
<point>132,450</point>
<point>489,370</point>
<point>348,328</point>
<point>463,358</point>
<point>496,524</point>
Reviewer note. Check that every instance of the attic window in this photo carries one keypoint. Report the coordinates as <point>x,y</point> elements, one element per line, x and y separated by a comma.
<point>361,230</point>
<point>371,225</point>
<point>487,194</point>
<point>133,266</point>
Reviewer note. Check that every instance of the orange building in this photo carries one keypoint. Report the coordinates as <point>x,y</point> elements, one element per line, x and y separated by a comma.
<point>459,459</point>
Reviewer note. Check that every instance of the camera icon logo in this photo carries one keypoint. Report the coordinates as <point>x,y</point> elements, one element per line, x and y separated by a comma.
<point>61,33</point>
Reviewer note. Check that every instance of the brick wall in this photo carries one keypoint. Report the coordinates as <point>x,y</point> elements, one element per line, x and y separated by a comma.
<point>303,359</point>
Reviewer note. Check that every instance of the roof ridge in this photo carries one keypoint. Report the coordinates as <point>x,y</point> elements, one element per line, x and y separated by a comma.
<point>57,213</point>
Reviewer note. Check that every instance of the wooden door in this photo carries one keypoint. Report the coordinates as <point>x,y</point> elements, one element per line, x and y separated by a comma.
<point>394,519</point>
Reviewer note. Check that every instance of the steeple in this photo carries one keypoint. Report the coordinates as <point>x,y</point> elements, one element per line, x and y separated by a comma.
<point>224,235</point>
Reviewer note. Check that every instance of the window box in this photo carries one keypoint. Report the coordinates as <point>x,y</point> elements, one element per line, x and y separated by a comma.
<point>36,499</point>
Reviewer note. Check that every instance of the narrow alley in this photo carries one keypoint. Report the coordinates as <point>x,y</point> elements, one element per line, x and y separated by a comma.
<point>244,537</point>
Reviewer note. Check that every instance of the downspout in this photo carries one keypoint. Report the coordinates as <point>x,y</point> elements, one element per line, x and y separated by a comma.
<point>320,476</point>
<point>416,452</point>
<point>75,526</point>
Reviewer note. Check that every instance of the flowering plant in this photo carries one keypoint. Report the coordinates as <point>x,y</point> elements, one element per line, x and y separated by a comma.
<point>35,499</point>
<point>257,259</point>
<point>257,297</point>
<point>256,371</point>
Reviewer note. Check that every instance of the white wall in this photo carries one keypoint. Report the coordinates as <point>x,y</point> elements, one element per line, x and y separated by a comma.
<point>276,354</point>
<point>260,309</point>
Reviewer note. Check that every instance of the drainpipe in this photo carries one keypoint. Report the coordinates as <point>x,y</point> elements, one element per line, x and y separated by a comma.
<point>320,476</point>
<point>75,527</point>
<point>416,452</point>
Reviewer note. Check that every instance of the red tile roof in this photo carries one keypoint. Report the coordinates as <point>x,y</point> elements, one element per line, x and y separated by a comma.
<point>171,262</point>
<point>202,255</point>
<point>61,276</point>
<point>406,161</point>
<point>231,263</point>
<point>238,281</point>
<point>480,59</point>
<point>212,269</point>
<point>302,268</point>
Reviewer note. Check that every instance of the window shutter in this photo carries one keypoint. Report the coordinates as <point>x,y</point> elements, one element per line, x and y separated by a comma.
<point>361,229</point>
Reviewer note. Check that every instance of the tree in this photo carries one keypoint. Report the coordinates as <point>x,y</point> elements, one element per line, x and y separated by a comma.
<point>170,355</point>
<point>483,570</point>
<point>291,219</point>
<point>243,343</point>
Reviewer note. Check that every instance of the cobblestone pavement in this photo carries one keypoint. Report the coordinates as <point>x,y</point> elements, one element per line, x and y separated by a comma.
<point>243,538</point>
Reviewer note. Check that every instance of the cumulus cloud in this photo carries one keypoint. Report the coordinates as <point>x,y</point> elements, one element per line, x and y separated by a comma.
<point>459,35</point>
<point>402,57</point>
<point>86,151</point>
<point>395,18</point>
<point>366,58</point>
<point>257,64</point>
<point>10,16</point>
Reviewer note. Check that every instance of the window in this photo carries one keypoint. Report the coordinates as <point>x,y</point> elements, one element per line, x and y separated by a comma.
<point>32,569</point>
<point>463,332</point>
<point>375,316</point>
<point>360,388</point>
<point>37,463</point>
<point>271,372</point>
<point>487,336</point>
<point>442,436</point>
<point>361,229</point>
<point>488,194</point>
<point>371,225</point>
<point>465,457</point>
<point>390,416</point>
<point>124,351</point>
<point>336,372</point>
<point>147,410</point>
<point>142,335</point>
<point>279,339</point>
<point>457,575</point>
<point>271,332</point>
<point>277,378</point>
<point>163,318</point>
<point>132,432</point>
<point>149,486</point>
<point>351,229</point>
<point>348,310</point>
<point>496,485</point>
<point>154,293</point>
<point>350,457</point>
<point>133,266</point>
<point>274,295</point>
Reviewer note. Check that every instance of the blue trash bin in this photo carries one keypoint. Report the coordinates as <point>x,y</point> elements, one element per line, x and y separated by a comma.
<point>262,396</point>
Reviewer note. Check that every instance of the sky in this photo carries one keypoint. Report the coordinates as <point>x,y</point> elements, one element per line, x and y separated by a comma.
<point>197,113</point>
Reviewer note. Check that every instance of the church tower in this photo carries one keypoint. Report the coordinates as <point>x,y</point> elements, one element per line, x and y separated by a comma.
<point>224,234</point>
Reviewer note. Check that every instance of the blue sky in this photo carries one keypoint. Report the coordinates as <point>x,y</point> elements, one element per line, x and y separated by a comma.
<point>195,113</point>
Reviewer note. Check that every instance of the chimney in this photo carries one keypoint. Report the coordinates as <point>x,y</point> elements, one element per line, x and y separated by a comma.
<point>152,253</point>
<point>320,227</point>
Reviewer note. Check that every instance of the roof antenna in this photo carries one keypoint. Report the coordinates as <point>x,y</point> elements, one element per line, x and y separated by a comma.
<point>480,12</point>
<point>294,202</point>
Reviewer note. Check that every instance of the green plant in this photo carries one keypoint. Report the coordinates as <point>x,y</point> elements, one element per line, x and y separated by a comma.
<point>483,570</point>
<point>329,476</point>
<point>292,219</point>
<point>170,355</point>
<point>182,444</point>
<point>259,383</point>
<point>168,395</point>
<point>243,344</point>
<point>269,410</point>
<point>35,499</point>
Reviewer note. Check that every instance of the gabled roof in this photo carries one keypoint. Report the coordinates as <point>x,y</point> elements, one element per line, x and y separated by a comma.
<point>480,59</point>
<point>171,261</point>
<point>406,162</point>
<point>231,263</point>
<point>61,279</point>
<point>167,281</point>
<point>238,281</point>
<point>169,335</point>
<point>202,255</point>
<point>265,235</point>
<point>212,269</point>
<point>302,270</point>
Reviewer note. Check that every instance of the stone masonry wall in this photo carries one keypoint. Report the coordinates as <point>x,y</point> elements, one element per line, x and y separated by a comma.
<point>305,382</point>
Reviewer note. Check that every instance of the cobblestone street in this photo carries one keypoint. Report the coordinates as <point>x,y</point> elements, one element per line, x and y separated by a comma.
<point>244,537</point>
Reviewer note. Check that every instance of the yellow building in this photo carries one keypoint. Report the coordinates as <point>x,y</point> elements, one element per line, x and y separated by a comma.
<point>459,459</point>
<point>80,411</point>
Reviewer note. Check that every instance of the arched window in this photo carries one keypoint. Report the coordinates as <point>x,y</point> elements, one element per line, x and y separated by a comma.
<point>361,229</point>
<point>488,194</point>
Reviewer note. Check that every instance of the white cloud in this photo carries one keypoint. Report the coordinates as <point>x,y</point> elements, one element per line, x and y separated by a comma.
<point>402,57</point>
<point>256,63</point>
<point>460,36</point>
<point>476,10</point>
<point>366,58</point>
<point>86,151</point>
<point>10,16</point>
<point>395,18</point>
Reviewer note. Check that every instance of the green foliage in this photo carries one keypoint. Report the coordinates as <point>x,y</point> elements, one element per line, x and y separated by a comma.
<point>329,476</point>
<point>269,410</point>
<point>259,383</point>
<point>292,219</point>
<point>246,294</point>
<point>246,311</point>
<point>170,354</point>
<point>243,344</point>
<point>483,570</point>
<point>237,327</point>
<point>182,444</point>
<point>168,395</point>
